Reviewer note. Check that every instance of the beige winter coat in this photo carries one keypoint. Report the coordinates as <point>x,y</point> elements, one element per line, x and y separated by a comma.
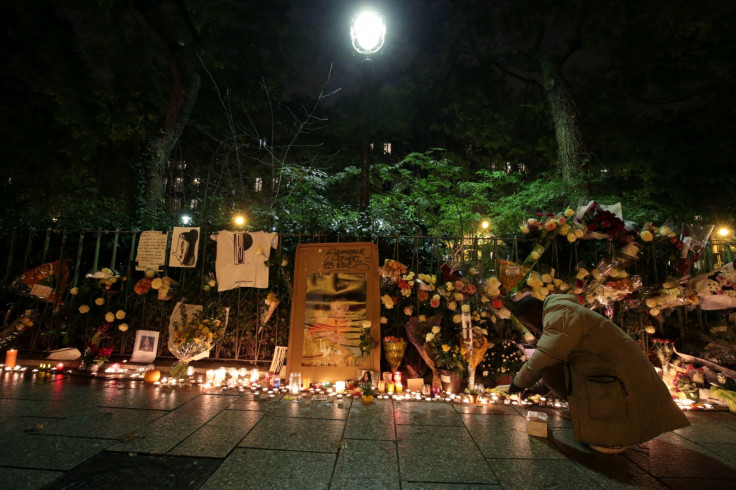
<point>616,397</point>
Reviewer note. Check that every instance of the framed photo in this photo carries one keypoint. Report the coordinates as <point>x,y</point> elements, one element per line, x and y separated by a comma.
<point>336,299</point>
<point>146,346</point>
<point>367,376</point>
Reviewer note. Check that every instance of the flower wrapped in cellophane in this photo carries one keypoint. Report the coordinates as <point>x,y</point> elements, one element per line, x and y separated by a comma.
<point>193,334</point>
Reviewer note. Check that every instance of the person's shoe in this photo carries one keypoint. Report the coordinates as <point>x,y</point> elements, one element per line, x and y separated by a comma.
<point>609,449</point>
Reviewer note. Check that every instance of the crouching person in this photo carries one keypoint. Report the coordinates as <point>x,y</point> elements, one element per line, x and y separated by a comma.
<point>616,397</point>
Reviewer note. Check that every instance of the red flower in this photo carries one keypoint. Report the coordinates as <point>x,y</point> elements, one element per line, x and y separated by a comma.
<point>497,303</point>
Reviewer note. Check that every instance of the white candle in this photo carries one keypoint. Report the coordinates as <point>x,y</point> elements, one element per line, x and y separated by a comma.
<point>340,387</point>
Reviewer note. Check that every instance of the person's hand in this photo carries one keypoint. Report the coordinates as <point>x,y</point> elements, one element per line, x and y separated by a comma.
<point>513,389</point>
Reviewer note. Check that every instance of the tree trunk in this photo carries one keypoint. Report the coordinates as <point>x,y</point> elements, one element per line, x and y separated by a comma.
<point>571,151</point>
<point>184,90</point>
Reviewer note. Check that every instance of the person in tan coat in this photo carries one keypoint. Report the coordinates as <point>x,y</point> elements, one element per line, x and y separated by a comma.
<point>616,397</point>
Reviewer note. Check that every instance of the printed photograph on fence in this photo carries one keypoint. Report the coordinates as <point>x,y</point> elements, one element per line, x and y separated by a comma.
<point>146,346</point>
<point>184,247</point>
<point>333,320</point>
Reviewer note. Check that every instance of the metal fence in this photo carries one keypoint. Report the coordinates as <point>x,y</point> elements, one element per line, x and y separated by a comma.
<point>84,251</point>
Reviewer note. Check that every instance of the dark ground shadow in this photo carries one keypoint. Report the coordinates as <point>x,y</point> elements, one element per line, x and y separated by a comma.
<point>655,464</point>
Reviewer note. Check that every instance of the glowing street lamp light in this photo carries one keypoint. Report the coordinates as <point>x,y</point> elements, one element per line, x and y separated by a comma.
<point>368,31</point>
<point>724,231</point>
<point>485,224</point>
<point>239,219</point>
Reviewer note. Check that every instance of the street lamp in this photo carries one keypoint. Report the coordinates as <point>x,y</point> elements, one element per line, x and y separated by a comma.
<point>368,32</point>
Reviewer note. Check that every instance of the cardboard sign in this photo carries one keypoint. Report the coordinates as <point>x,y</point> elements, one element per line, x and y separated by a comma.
<point>336,292</point>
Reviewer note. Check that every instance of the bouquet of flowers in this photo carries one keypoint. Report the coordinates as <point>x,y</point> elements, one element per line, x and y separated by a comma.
<point>17,327</point>
<point>194,335</point>
<point>725,390</point>
<point>95,350</point>
<point>665,348</point>
<point>446,353</point>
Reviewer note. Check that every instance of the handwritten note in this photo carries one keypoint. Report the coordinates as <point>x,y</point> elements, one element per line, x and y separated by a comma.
<point>346,258</point>
<point>152,250</point>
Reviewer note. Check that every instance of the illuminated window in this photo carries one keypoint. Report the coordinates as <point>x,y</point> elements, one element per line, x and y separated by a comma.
<point>195,181</point>
<point>179,184</point>
<point>193,204</point>
<point>262,143</point>
<point>259,184</point>
<point>387,148</point>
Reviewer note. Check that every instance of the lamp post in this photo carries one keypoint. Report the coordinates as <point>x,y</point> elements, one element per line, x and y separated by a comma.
<point>368,32</point>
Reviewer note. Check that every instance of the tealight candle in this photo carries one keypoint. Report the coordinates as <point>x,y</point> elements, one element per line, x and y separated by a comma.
<point>340,387</point>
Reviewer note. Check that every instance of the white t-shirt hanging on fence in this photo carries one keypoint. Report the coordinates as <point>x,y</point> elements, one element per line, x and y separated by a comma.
<point>241,258</point>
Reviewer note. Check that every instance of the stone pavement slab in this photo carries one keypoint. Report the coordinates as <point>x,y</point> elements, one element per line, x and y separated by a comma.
<point>440,454</point>
<point>262,468</point>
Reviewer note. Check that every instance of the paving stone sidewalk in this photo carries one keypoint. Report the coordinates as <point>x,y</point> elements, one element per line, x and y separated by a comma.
<point>65,431</point>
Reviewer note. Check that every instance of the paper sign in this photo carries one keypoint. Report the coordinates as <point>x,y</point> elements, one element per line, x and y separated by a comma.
<point>152,250</point>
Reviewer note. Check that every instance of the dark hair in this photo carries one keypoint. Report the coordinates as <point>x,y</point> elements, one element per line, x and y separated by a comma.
<point>529,311</point>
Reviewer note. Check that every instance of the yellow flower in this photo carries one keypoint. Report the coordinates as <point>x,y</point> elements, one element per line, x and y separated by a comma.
<point>74,291</point>
<point>650,330</point>
<point>647,236</point>
<point>569,212</point>
<point>445,348</point>
<point>109,317</point>
<point>157,283</point>
<point>150,273</point>
<point>100,301</point>
<point>456,319</point>
<point>83,309</point>
<point>120,314</point>
<point>123,327</point>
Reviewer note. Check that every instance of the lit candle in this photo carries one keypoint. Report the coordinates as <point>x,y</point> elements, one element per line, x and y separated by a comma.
<point>381,386</point>
<point>390,387</point>
<point>340,387</point>
<point>190,371</point>
<point>11,357</point>
<point>399,387</point>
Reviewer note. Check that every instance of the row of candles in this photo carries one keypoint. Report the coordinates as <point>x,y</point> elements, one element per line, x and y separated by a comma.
<point>234,378</point>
